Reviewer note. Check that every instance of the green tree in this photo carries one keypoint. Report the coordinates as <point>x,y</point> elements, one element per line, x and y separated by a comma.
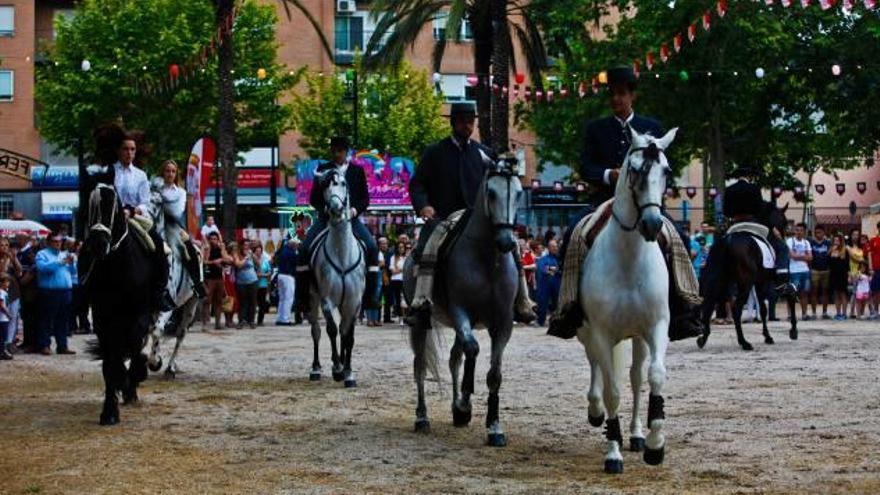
<point>787,121</point>
<point>399,112</point>
<point>494,24</point>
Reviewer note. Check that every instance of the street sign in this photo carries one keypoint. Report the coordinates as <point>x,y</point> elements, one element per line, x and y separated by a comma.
<point>18,165</point>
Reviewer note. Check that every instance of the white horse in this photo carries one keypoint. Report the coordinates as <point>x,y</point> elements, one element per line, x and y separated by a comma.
<point>337,260</point>
<point>624,292</point>
<point>180,285</point>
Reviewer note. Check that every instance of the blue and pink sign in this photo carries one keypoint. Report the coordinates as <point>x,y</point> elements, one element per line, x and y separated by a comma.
<point>387,178</point>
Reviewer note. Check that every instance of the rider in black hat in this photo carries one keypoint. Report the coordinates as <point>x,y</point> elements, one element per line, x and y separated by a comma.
<point>447,180</point>
<point>359,200</point>
<point>606,143</point>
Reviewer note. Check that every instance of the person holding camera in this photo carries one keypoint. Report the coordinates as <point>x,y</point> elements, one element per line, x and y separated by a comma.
<point>55,271</point>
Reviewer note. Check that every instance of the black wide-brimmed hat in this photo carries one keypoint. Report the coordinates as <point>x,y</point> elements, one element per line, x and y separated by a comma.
<point>463,109</point>
<point>622,75</point>
<point>339,143</point>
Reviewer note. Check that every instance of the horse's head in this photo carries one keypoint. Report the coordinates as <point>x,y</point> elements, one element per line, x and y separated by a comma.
<point>106,221</point>
<point>773,217</point>
<point>642,183</point>
<point>501,195</point>
<point>335,190</point>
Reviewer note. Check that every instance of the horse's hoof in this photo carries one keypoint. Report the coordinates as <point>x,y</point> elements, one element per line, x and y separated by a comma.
<point>497,440</point>
<point>613,466</point>
<point>701,341</point>
<point>746,346</point>
<point>423,426</point>
<point>154,367</point>
<point>315,376</point>
<point>654,457</point>
<point>109,420</point>
<point>793,334</point>
<point>596,421</point>
<point>459,417</point>
<point>170,374</point>
<point>129,399</point>
<point>636,444</point>
<point>351,383</point>
<point>338,376</point>
<point>769,340</point>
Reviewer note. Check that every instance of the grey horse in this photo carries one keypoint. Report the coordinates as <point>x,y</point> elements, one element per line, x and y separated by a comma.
<point>337,260</point>
<point>475,288</point>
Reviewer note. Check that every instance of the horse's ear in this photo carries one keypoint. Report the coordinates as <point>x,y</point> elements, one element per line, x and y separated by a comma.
<point>635,138</point>
<point>784,208</point>
<point>666,140</point>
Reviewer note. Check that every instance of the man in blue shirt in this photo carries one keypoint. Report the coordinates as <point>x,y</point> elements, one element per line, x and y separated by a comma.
<point>549,279</point>
<point>55,270</point>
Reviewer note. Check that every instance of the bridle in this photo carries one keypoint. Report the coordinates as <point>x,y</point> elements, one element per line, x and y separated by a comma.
<point>342,199</point>
<point>510,218</point>
<point>95,216</point>
<point>651,155</point>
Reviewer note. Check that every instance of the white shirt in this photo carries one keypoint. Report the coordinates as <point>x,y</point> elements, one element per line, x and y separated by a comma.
<point>606,177</point>
<point>207,229</point>
<point>398,263</point>
<point>800,248</point>
<point>132,186</point>
<point>5,297</point>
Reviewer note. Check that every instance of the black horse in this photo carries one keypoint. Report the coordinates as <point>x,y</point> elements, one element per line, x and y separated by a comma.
<point>116,271</point>
<point>736,259</point>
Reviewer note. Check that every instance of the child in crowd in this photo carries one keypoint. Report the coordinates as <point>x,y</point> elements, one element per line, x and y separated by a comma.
<point>5,355</point>
<point>863,288</point>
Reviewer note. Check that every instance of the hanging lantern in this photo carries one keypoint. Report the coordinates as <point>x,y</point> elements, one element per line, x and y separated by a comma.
<point>582,89</point>
<point>835,69</point>
<point>436,78</point>
<point>536,183</point>
<point>261,73</point>
<point>684,76</point>
<point>777,191</point>
<point>722,8</point>
<point>669,192</point>
<point>519,78</point>
<point>713,192</point>
<point>691,191</point>
<point>676,43</point>
<point>798,189</point>
<point>603,77</point>
<point>649,60</point>
<point>861,187</point>
<point>85,65</point>
<point>840,187</point>
<point>664,52</point>
<point>820,188</point>
<point>759,73</point>
<point>472,80</point>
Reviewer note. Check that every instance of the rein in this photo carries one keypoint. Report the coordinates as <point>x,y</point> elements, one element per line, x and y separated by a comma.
<point>639,208</point>
<point>95,217</point>
<point>510,223</point>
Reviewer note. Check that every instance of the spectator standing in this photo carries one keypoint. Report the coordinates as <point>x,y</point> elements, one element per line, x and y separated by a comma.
<point>54,282</point>
<point>838,264</point>
<point>549,280</point>
<point>5,353</point>
<point>385,259</point>
<point>246,285</point>
<point>820,271</point>
<point>215,257</point>
<point>873,252</point>
<point>800,254</point>
<point>699,253</point>
<point>374,315</point>
<point>209,227</point>
<point>395,267</point>
<point>856,256</point>
<point>30,322</point>
<point>863,289</point>
<point>708,233</point>
<point>264,273</point>
<point>10,267</point>
<point>529,265</point>
<point>285,261</point>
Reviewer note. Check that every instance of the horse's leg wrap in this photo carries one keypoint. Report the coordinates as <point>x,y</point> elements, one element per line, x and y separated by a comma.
<point>655,408</point>
<point>612,430</point>
<point>492,415</point>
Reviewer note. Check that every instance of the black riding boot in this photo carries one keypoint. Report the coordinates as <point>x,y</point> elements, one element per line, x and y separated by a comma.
<point>566,322</point>
<point>162,300</point>
<point>685,319</point>
<point>783,285</point>
<point>371,301</point>
<point>303,290</point>
<point>194,270</point>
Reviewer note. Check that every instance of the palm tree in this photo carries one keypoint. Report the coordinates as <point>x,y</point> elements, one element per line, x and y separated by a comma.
<point>226,121</point>
<point>401,21</point>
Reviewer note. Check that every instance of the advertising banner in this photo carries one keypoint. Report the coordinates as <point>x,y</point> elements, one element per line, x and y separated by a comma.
<point>387,178</point>
<point>198,172</point>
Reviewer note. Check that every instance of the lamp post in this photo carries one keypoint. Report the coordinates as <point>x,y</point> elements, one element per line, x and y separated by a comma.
<point>351,78</point>
<point>80,219</point>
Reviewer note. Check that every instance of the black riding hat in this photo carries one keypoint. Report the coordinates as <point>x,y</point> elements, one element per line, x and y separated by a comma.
<point>339,143</point>
<point>463,109</point>
<point>622,75</point>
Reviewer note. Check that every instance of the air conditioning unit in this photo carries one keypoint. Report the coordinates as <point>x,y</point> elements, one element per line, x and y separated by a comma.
<point>345,7</point>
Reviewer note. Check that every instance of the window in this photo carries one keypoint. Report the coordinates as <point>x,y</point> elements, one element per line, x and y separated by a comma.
<point>6,205</point>
<point>7,20</point>
<point>349,33</point>
<point>440,28</point>
<point>7,85</point>
<point>456,88</point>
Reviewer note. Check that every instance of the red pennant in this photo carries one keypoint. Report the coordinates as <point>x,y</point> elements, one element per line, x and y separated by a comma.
<point>722,8</point>
<point>870,4</point>
<point>538,94</point>
<point>713,191</point>
<point>786,3</point>
<point>770,2</point>
<point>563,93</point>
<point>691,191</point>
<point>847,5</point>
<point>664,52</point>
<point>582,89</point>
<point>649,60</point>
<point>692,32</point>
<point>528,93</point>
<point>805,3</point>
<point>504,91</point>
<point>827,4</point>
<point>549,95</point>
<point>777,191</point>
<point>637,65</point>
<point>707,20</point>
<point>840,187</point>
<point>820,188</point>
<point>516,91</point>
<point>861,187</point>
<point>595,85</point>
<point>676,43</point>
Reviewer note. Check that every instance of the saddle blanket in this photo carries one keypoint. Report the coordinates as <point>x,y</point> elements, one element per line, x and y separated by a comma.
<point>759,233</point>
<point>768,256</point>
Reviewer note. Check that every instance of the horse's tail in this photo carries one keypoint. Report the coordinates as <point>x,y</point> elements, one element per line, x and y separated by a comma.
<point>425,342</point>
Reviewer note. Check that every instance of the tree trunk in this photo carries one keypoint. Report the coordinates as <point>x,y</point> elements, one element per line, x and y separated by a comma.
<point>482,30</point>
<point>501,75</point>
<point>226,124</point>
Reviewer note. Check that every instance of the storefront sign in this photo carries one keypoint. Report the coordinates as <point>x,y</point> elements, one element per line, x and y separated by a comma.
<point>253,178</point>
<point>55,178</point>
<point>550,196</point>
<point>387,178</point>
<point>18,165</point>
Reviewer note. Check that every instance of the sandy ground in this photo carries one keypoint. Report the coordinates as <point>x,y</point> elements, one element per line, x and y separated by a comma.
<point>242,417</point>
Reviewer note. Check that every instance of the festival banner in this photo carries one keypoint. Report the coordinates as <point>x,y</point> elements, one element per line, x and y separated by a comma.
<point>198,172</point>
<point>387,178</point>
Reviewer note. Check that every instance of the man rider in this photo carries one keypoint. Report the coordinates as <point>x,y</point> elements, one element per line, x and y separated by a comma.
<point>359,200</point>
<point>448,179</point>
<point>133,190</point>
<point>606,143</point>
